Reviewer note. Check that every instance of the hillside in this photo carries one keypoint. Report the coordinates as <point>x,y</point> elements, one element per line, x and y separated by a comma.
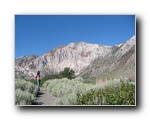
<point>119,62</point>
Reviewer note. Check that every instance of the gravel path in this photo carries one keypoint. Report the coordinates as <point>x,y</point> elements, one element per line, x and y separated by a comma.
<point>44,98</point>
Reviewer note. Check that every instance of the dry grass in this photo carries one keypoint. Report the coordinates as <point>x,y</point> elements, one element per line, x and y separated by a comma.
<point>100,82</point>
<point>110,82</point>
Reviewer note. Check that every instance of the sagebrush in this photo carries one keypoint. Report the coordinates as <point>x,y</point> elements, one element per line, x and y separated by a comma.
<point>66,90</point>
<point>77,92</point>
<point>122,94</point>
<point>25,92</point>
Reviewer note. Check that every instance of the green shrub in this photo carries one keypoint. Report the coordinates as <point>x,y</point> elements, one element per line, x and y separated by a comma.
<point>33,81</point>
<point>49,77</point>
<point>23,97</point>
<point>89,82</point>
<point>67,73</point>
<point>76,92</point>
<point>124,94</point>
<point>66,90</point>
<point>25,92</point>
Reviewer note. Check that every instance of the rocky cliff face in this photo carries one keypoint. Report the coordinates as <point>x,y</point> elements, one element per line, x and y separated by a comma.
<point>120,61</point>
<point>77,56</point>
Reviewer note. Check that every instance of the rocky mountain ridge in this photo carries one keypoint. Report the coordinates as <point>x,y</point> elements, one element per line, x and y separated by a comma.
<point>80,56</point>
<point>77,56</point>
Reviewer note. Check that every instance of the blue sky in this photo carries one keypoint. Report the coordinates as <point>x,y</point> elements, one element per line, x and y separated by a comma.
<point>38,34</point>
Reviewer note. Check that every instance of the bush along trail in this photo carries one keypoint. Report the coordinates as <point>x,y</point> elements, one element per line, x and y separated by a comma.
<point>76,91</point>
<point>26,93</point>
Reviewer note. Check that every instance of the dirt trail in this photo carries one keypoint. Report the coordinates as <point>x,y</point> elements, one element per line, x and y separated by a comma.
<point>44,98</point>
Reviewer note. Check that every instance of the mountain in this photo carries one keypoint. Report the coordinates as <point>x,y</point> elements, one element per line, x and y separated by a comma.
<point>120,61</point>
<point>21,63</point>
<point>24,60</point>
<point>77,56</point>
<point>90,61</point>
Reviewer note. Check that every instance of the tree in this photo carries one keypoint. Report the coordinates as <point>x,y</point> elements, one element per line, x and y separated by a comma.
<point>68,73</point>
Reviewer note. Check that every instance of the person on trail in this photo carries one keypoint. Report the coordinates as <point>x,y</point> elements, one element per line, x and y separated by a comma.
<point>37,77</point>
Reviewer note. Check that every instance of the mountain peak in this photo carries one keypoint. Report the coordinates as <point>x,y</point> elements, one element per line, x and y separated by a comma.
<point>73,44</point>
